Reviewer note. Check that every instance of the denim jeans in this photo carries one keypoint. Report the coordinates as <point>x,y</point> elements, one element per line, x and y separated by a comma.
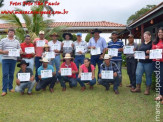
<point>79,59</point>
<point>64,79</point>
<point>30,61</point>
<point>56,61</point>
<point>131,70</point>
<point>119,65</point>
<point>37,65</point>
<point>105,82</point>
<point>8,68</point>
<point>146,68</point>
<point>92,82</point>
<point>25,85</point>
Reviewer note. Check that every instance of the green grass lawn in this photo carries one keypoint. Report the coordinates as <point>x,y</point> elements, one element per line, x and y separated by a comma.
<point>73,105</point>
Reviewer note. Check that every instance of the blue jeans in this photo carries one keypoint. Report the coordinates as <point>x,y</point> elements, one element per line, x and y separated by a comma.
<point>25,85</point>
<point>63,79</point>
<point>8,68</point>
<point>92,82</point>
<point>146,68</point>
<point>105,82</point>
<point>79,59</point>
<point>56,61</point>
<point>37,65</point>
<point>119,65</point>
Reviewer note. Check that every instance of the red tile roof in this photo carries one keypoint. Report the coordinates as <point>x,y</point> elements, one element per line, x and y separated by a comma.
<point>76,24</point>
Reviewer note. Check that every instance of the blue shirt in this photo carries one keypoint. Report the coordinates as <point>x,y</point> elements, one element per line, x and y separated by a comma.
<point>100,43</point>
<point>118,44</point>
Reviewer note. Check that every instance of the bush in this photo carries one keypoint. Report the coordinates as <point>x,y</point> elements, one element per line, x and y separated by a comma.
<point>124,60</point>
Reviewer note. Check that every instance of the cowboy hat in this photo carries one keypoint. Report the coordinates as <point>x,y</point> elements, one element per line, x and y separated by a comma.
<point>114,32</point>
<point>64,35</point>
<point>54,34</point>
<point>22,62</point>
<point>46,45</point>
<point>44,60</point>
<point>96,30</point>
<point>67,56</point>
<point>106,56</point>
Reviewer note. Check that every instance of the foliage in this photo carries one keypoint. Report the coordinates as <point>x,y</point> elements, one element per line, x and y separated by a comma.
<point>74,37</point>
<point>87,38</point>
<point>124,60</point>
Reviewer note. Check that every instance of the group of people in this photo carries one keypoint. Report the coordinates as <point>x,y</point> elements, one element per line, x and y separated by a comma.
<point>46,55</point>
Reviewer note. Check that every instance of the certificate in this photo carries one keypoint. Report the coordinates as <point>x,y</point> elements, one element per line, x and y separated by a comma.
<point>155,54</point>
<point>113,52</point>
<point>49,55</point>
<point>67,44</point>
<point>80,48</point>
<point>86,76</point>
<point>66,71</point>
<point>55,47</point>
<point>29,50</point>
<point>95,51</point>
<point>107,74</point>
<point>40,43</point>
<point>128,50</point>
<point>46,73</point>
<point>14,52</point>
<point>139,55</point>
<point>24,77</point>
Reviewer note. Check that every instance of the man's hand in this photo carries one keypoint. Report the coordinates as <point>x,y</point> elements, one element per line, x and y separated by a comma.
<point>115,74</point>
<point>18,82</point>
<point>101,56</point>
<point>73,72</point>
<point>93,77</point>
<point>99,75</point>
<point>59,72</point>
<point>79,76</point>
<point>56,51</point>
<point>21,52</point>
<point>147,51</point>
<point>93,47</point>
<point>5,52</point>
<point>80,52</point>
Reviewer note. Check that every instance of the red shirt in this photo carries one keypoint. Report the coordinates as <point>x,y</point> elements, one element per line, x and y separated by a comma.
<point>159,45</point>
<point>72,66</point>
<point>23,46</point>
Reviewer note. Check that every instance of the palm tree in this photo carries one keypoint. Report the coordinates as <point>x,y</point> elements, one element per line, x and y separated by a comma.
<point>1,3</point>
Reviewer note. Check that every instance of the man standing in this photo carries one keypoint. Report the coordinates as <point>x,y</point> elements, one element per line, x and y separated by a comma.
<point>39,43</point>
<point>80,50</point>
<point>131,63</point>
<point>28,57</point>
<point>97,43</point>
<point>8,62</point>
<point>118,44</point>
<point>55,46</point>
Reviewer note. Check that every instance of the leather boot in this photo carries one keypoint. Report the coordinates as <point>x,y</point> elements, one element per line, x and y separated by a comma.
<point>137,89</point>
<point>147,91</point>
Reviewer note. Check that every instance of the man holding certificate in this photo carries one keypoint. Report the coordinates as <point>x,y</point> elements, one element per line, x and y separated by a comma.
<point>86,74</point>
<point>98,47</point>
<point>39,45</point>
<point>25,78</point>
<point>28,51</point>
<point>109,74</point>
<point>80,50</point>
<point>7,45</point>
<point>67,72</point>
<point>46,75</point>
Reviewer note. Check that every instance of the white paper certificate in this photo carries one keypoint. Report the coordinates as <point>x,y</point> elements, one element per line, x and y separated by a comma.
<point>80,48</point>
<point>40,43</point>
<point>107,74</point>
<point>14,52</point>
<point>139,55</point>
<point>155,54</point>
<point>49,55</point>
<point>24,77</point>
<point>55,47</point>
<point>113,52</point>
<point>46,73</point>
<point>67,44</point>
<point>95,51</point>
<point>66,71</point>
<point>86,76</point>
<point>128,50</point>
<point>29,50</point>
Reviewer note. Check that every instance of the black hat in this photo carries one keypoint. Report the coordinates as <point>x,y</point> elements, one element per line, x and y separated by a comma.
<point>96,30</point>
<point>67,34</point>
<point>114,32</point>
<point>22,62</point>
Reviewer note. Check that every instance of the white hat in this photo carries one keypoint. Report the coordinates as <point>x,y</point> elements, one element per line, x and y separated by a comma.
<point>107,56</point>
<point>41,32</point>
<point>45,60</point>
<point>67,56</point>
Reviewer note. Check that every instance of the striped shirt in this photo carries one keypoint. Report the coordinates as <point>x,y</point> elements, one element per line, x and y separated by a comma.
<point>118,44</point>
<point>6,44</point>
<point>82,44</point>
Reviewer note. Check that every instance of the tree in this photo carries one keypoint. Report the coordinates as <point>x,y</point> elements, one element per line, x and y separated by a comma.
<point>74,37</point>
<point>139,13</point>
<point>1,3</point>
<point>87,38</point>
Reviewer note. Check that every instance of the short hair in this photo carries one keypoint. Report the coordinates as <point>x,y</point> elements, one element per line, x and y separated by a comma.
<point>148,33</point>
<point>27,36</point>
<point>11,29</point>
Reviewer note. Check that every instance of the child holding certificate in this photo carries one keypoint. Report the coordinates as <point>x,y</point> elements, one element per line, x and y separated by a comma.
<point>46,50</point>
<point>86,74</point>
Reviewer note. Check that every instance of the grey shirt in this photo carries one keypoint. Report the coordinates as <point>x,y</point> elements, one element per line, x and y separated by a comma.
<point>6,44</point>
<point>83,44</point>
<point>136,48</point>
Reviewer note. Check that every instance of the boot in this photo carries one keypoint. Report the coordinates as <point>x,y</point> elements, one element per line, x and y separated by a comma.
<point>137,89</point>
<point>147,91</point>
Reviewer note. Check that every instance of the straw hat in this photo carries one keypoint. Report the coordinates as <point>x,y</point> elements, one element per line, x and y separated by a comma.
<point>107,57</point>
<point>44,60</point>
<point>41,32</point>
<point>46,45</point>
<point>54,34</point>
<point>67,56</point>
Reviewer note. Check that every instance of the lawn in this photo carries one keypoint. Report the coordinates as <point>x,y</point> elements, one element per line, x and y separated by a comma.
<point>73,105</point>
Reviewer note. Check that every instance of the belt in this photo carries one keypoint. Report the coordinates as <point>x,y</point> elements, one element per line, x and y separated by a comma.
<point>130,57</point>
<point>28,58</point>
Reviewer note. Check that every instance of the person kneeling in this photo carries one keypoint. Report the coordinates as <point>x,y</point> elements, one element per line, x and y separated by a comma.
<point>25,78</point>
<point>46,76</point>
<point>109,74</point>
<point>86,74</point>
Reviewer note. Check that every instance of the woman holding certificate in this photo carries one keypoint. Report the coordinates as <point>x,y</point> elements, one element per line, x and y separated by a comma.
<point>144,65</point>
<point>86,74</point>
<point>158,44</point>
<point>47,53</point>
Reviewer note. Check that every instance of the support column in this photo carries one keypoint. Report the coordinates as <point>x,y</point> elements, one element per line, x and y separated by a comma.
<point>142,32</point>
